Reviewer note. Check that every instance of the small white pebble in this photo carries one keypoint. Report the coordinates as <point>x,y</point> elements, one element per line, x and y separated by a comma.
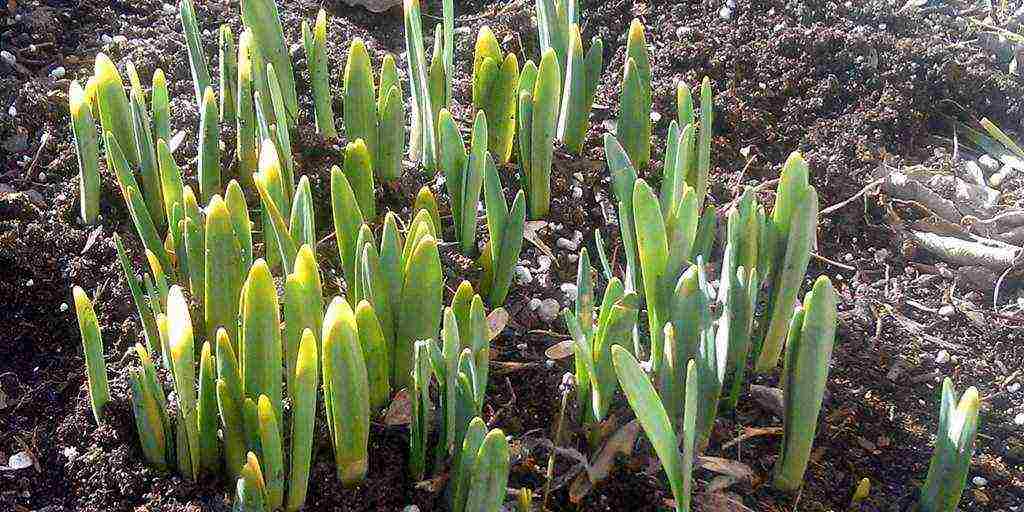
<point>942,357</point>
<point>119,39</point>
<point>570,291</point>
<point>105,39</point>
<point>521,347</point>
<point>565,243</point>
<point>63,306</point>
<point>549,309</point>
<point>881,255</point>
<point>523,275</point>
<point>69,452</point>
<point>1019,419</point>
<point>1013,388</point>
<point>13,111</point>
<point>683,32</point>
<point>169,9</point>
<point>655,116</point>
<point>577,192</point>
<point>979,481</point>
<point>543,263</point>
<point>725,13</point>
<point>988,163</point>
<point>58,72</point>
<point>534,304</point>
<point>550,363</point>
<point>30,282</point>
<point>8,57</point>
<point>947,310</point>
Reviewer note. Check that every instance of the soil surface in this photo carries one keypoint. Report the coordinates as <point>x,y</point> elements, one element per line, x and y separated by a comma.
<point>852,85</point>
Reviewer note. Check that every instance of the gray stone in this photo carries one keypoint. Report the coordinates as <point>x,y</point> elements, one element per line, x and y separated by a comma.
<point>988,164</point>
<point>548,310</point>
<point>565,243</point>
<point>374,5</point>
<point>570,291</point>
<point>523,275</point>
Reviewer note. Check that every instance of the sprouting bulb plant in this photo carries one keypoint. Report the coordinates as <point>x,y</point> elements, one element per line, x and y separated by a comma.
<point>481,474</point>
<point>555,19</point>
<point>262,18</point>
<point>423,137</point>
<point>792,231</point>
<point>92,346</point>
<point>83,128</point>
<point>495,83</point>
<point>505,229</point>
<point>808,354</point>
<point>346,392</point>
<point>634,126</point>
<point>196,59</point>
<point>593,337</point>
<point>376,118</point>
<point>582,74</point>
<point>464,174</point>
<point>539,90</point>
<point>954,446</point>
<point>315,42</point>
<point>655,420</point>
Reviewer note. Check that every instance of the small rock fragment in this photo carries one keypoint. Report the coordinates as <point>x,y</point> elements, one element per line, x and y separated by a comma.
<point>988,164</point>
<point>523,275</point>
<point>58,72</point>
<point>1019,419</point>
<point>8,57</point>
<point>565,243</point>
<point>942,357</point>
<point>1013,388</point>
<point>549,309</point>
<point>570,290</point>
<point>534,304</point>
<point>725,13</point>
<point>947,310</point>
<point>974,173</point>
<point>375,6</point>
<point>997,179</point>
<point>543,263</point>
<point>980,481</point>
<point>119,39</point>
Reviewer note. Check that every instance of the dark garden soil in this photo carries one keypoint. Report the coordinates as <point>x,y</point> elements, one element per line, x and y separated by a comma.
<point>852,85</point>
